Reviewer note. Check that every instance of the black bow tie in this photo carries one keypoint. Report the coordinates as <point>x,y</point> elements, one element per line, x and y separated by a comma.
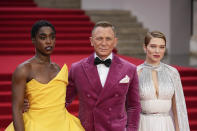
<point>105,62</point>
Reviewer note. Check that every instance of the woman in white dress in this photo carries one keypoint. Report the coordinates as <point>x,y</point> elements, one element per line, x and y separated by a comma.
<point>162,99</point>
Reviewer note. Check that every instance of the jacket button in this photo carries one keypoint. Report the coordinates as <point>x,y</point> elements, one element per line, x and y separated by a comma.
<point>110,109</point>
<point>116,95</point>
<point>88,95</point>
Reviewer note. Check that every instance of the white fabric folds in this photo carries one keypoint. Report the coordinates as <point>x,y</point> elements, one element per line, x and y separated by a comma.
<point>155,114</point>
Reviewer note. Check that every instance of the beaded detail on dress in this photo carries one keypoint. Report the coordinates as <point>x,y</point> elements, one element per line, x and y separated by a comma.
<point>169,84</point>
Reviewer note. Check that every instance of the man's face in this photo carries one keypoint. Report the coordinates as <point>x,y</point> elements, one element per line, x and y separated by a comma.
<point>104,41</point>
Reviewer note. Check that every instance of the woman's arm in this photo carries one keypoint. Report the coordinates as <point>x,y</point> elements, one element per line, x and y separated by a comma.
<point>18,90</point>
<point>175,113</point>
<point>178,103</point>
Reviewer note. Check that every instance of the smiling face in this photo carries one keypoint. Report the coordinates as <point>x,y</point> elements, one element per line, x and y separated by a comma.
<point>44,40</point>
<point>103,40</point>
<point>155,50</point>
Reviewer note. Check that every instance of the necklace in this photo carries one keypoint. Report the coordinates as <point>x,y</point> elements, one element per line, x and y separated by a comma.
<point>153,67</point>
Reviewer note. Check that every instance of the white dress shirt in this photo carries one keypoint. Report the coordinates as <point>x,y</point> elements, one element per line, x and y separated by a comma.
<point>103,70</point>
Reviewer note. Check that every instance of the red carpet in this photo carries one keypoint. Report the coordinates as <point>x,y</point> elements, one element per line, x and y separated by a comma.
<point>17,3</point>
<point>73,32</point>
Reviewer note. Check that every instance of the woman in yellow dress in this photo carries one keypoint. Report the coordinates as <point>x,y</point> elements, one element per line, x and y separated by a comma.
<point>43,83</point>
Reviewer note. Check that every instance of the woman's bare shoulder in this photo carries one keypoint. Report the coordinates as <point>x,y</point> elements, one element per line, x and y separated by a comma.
<point>23,69</point>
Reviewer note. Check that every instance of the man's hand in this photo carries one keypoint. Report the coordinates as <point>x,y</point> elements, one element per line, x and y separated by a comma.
<point>26,105</point>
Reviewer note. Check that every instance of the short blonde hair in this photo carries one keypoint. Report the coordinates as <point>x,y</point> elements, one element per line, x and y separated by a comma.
<point>104,24</point>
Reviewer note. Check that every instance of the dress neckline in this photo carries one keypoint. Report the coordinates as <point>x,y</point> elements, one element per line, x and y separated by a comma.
<point>48,81</point>
<point>152,67</point>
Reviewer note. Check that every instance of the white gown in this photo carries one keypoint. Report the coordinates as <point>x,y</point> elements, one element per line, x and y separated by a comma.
<point>156,114</point>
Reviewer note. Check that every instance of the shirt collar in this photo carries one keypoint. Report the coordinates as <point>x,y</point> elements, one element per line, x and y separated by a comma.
<point>109,56</point>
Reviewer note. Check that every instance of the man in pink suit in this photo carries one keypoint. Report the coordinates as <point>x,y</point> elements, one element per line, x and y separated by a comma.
<point>106,85</point>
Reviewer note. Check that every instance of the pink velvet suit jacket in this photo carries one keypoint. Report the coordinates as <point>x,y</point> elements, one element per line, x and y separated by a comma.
<point>116,107</point>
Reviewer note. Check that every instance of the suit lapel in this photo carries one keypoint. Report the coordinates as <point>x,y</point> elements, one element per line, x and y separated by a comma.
<point>92,74</point>
<point>114,75</point>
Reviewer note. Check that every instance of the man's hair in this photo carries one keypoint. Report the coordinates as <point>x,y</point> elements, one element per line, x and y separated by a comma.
<point>38,25</point>
<point>153,34</point>
<point>104,24</point>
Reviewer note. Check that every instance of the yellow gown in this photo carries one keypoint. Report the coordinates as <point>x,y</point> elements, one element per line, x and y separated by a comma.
<point>47,110</point>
